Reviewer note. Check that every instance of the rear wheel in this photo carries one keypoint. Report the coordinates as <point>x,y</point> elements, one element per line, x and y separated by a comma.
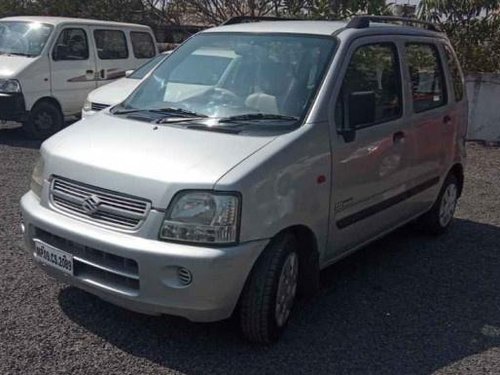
<point>440,217</point>
<point>269,295</point>
<point>44,120</point>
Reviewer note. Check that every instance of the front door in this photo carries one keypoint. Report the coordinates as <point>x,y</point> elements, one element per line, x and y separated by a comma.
<point>72,68</point>
<point>372,146</point>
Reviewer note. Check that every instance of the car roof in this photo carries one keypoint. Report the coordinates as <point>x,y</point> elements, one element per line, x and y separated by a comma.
<point>60,20</point>
<point>325,28</point>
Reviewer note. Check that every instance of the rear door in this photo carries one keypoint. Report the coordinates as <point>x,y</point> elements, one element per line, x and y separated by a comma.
<point>73,68</point>
<point>371,161</point>
<point>432,117</point>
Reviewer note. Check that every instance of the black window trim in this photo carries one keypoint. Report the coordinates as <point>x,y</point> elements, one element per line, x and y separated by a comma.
<point>133,47</point>
<point>435,47</point>
<point>57,39</point>
<point>124,37</point>
<point>395,47</point>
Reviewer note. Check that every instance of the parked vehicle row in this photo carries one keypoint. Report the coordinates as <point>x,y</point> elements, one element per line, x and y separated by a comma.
<point>48,66</point>
<point>251,158</point>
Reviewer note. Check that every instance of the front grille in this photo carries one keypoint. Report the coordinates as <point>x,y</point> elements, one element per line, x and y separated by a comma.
<point>98,106</point>
<point>97,267</point>
<point>98,205</point>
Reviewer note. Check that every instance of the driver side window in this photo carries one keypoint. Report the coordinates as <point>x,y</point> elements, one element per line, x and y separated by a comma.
<point>72,44</point>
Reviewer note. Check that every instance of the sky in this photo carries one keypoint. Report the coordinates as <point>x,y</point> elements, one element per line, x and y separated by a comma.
<point>412,2</point>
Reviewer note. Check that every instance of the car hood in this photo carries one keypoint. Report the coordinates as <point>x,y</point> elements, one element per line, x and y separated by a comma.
<point>11,65</point>
<point>144,160</point>
<point>114,92</point>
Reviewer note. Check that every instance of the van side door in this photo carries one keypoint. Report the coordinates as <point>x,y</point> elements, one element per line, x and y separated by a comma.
<point>432,117</point>
<point>119,50</point>
<point>371,152</point>
<point>72,67</point>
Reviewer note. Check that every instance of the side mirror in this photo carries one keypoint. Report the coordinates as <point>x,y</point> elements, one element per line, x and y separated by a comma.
<point>361,109</point>
<point>60,52</point>
<point>129,73</point>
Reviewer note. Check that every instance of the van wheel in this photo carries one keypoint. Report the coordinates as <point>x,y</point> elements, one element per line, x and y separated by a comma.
<point>269,294</point>
<point>44,120</point>
<point>439,218</point>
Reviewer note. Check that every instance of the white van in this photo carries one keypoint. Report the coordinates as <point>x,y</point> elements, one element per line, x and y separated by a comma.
<point>48,65</point>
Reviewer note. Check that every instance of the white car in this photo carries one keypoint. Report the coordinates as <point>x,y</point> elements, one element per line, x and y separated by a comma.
<point>117,91</point>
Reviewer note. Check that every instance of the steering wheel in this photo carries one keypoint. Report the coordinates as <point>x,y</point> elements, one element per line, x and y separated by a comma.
<point>224,96</point>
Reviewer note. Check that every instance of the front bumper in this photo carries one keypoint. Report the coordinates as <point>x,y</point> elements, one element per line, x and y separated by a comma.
<point>218,274</point>
<point>12,107</point>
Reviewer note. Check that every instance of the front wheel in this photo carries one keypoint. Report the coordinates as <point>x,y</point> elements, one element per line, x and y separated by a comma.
<point>269,295</point>
<point>440,217</point>
<point>44,120</point>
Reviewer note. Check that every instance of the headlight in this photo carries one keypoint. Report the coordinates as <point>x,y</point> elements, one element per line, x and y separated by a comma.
<point>37,178</point>
<point>87,105</point>
<point>10,86</point>
<point>202,217</point>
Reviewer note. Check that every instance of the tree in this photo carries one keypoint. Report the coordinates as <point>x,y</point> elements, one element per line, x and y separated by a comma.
<point>473,27</point>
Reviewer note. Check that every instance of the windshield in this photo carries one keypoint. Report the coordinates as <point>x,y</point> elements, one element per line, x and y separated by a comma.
<point>23,38</point>
<point>224,75</point>
<point>144,69</point>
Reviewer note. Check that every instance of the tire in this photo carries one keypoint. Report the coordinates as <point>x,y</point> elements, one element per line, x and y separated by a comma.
<point>44,120</point>
<point>440,216</point>
<point>262,319</point>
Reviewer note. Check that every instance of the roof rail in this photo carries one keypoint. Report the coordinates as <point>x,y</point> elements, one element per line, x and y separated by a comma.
<point>362,22</point>
<point>249,19</point>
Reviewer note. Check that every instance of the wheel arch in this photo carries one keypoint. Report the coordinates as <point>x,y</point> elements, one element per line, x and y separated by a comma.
<point>458,171</point>
<point>49,100</point>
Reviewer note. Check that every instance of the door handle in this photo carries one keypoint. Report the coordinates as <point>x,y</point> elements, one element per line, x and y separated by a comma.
<point>89,72</point>
<point>398,137</point>
<point>103,73</point>
<point>447,119</point>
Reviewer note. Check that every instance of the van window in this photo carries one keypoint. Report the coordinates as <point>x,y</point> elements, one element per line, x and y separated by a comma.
<point>142,44</point>
<point>372,80</point>
<point>427,77</point>
<point>23,38</point>
<point>111,44</point>
<point>72,44</point>
<point>456,73</point>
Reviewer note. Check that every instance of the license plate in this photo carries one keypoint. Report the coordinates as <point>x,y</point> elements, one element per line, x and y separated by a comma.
<point>53,257</point>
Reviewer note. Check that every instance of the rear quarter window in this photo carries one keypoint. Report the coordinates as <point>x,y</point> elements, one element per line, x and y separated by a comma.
<point>455,73</point>
<point>142,44</point>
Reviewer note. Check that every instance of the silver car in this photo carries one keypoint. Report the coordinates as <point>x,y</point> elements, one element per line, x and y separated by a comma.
<point>226,181</point>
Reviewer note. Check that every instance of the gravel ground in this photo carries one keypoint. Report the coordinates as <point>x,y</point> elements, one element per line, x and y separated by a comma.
<point>409,304</point>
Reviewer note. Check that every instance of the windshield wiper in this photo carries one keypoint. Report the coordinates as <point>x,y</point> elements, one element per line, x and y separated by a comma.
<point>257,117</point>
<point>173,111</point>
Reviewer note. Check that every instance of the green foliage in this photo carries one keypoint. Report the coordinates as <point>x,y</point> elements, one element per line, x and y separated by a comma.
<point>473,26</point>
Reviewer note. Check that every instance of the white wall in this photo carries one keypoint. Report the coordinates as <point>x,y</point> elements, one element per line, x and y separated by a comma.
<point>483,91</point>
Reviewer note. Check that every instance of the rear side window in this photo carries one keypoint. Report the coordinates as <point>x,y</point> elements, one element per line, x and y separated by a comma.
<point>111,44</point>
<point>72,44</point>
<point>427,77</point>
<point>456,74</point>
<point>142,44</point>
<point>371,91</point>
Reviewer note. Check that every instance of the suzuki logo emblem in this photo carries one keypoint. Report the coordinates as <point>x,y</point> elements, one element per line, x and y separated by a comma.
<point>91,204</point>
